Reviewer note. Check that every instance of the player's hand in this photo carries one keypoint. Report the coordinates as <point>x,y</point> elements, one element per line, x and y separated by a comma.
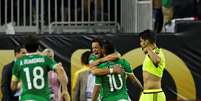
<point>146,49</point>
<point>117,69</point>
<point>59,64</point>
<point>65,96</point>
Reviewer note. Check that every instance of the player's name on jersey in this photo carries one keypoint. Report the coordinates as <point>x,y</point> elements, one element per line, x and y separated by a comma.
<point>32,61</point>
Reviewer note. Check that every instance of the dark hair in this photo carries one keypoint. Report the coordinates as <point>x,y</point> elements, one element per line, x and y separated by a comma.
<point>31,42</point>
<point>84,57</point>
<point>108,47</point>
<point>148,35</point>
<point>98,40</point>
<point>18,49</point>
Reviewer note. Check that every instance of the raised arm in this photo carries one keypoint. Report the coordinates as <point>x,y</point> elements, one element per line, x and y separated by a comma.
<point>110,57</point>
<point>97,71</point>
<point>153,56</point>
<point>63,81</point>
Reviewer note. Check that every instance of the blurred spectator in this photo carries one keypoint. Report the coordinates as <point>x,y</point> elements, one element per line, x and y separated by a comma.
<point>70,10</point>
<point>84,81</point>
<point>167,10</point>
<point>90,4</point>
<point>157,16</point>
<point>9,95</point>
<point>5,5</point>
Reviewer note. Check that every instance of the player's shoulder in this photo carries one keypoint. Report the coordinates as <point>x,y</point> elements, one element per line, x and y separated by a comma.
<point>28,56</point>
<point>20,59</point>
<point>40,56</point>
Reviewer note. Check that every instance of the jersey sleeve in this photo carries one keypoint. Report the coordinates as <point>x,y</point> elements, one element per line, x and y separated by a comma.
<point>16,71</point>
<point>127,67</point>
<point>92,58</point>
<point>50,63</point>
<point>97,80</point>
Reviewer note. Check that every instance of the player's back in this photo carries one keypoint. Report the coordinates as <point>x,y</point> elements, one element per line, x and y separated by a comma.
<point>114,85</point>
<point>32,70</point>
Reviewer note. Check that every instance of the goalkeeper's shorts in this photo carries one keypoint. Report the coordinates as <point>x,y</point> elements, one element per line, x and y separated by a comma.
<point>153,95</point>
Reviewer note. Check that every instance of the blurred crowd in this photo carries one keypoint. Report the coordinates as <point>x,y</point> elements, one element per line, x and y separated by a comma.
<point>164,11</point>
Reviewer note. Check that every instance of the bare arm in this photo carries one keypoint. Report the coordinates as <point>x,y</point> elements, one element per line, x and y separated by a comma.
<point>63,81</point>
<point>66,96</point>
<point>135,81</point>
<point>49,77</point>
<point>153,56</point>
<point>96,91</point>
<point>109,57</point>
<point>97,71</point>
<point>14,83</point>
<point>19,85</point>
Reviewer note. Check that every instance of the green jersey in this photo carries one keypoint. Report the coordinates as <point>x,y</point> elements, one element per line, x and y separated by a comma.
<point>114,85</point>
<point>166,3</point>
<point>32,70</point>
<point>92,58</point>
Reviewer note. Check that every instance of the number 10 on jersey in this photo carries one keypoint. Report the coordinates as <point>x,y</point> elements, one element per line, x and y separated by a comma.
<point>113,84</point>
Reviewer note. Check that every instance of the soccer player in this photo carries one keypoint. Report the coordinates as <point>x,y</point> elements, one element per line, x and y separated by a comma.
<point>94,59</point>
<point>97,57</point>
<point>32,69</point>
<point>54,84</point>
<point>153,66</point>
<point>113,86</point>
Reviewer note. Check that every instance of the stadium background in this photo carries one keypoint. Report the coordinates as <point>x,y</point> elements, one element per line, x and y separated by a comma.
<point>181,80</point>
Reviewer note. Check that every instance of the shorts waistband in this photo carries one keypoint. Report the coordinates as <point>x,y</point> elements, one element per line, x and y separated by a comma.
<point>151,91</point>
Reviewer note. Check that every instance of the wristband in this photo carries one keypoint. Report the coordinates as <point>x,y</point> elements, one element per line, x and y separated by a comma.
<point>111,70</point>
